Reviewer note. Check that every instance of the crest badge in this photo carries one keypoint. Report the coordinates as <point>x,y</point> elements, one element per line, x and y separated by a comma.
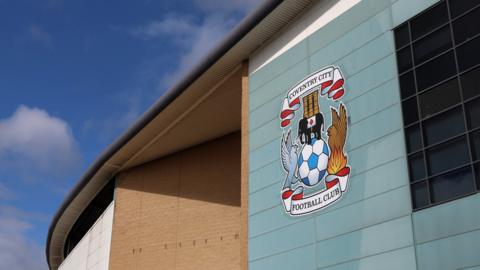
<point>313,156</point>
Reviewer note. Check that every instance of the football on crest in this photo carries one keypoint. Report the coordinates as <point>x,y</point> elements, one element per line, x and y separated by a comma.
<point>312,162</point>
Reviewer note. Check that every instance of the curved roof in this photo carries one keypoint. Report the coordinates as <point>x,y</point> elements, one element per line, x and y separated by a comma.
<point>256,29</point>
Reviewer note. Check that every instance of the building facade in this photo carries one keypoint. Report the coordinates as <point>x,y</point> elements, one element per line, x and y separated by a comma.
<point>223,174</point>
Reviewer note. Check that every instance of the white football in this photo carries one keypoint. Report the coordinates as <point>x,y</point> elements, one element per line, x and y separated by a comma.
<point>313,161</point>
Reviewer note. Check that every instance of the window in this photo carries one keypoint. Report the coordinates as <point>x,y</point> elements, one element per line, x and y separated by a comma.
<point>438,60</point>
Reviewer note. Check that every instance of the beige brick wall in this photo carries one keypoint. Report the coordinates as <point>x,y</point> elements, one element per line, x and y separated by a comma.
<point>180,212</point>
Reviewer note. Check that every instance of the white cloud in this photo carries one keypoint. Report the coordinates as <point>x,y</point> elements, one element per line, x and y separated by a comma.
<point>38,34</point>
<point>33,142</point>
<point>109,127</point>
<point>17,252</point>
<point>202,41</point>
<point>5,192</point>
<point>216,6</point>
<point>171,25</point>
<point>194,38</point>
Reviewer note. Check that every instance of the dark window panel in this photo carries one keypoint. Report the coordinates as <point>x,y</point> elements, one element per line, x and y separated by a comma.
<point>414,139</point>
<point>402,37</point>
<point>451,185</point>
<point>458,7</point>
<point>439,98</point>
<point>475,143</point>
<point>443,126</point>
<point>407,84</point>
<point>448,156</point>
<point>419,195</point>
<point>467,26</point>
<point>471,83</point>
<point>435,71</point>
<point>410,110</point>
<point>432,45</point>
<point>429,20</point>
<point>426,58</point>
<point>477,174</point>
<point>417,167</point>
<point>473,113</point>
<point>468,54</point>
<point>404,59</point>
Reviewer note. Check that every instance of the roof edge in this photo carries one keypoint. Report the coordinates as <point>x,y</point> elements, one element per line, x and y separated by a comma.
<point>245,26</point>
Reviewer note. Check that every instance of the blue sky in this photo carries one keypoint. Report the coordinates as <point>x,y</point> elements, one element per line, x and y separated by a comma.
<point>73,76</point>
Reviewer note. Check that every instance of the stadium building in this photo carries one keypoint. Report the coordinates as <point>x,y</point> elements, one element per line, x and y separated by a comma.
<point>329,134</point>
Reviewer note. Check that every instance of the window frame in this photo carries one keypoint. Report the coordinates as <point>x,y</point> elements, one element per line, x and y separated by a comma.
<point>467,133</point>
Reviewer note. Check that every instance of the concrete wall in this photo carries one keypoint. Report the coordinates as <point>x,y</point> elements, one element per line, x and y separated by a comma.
<point>92,252</point>
<point>372,227</point>
<point>180,212</point>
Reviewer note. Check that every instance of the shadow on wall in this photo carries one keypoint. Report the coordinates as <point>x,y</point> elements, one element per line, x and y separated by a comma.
<point>181,212</point>
<point>209,172</point>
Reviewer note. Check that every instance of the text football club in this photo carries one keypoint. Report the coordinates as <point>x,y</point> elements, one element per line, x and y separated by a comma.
<point>314,160</point>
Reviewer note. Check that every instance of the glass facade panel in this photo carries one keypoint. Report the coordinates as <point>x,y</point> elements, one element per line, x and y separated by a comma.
<point>477,175</point>
<point>404,59</point>
<point>420,195</point>
<point>475,143</point>
<point>432,45</point>
<point>435,128</point>
<point>407,85</point>
<point>417,167</point>
<point>473,113</point>
<point>410,111</point>
<point>402,36</point>
<point>468,54</point>
<point>447,156</point>
<point>429,20</point>
<point>436,70</point>
<point>458,7</point>
<point>471,83</point>
<point>467,26</point>
<point>451,185</point>
<point>439,98</point>
<point>414,139</point>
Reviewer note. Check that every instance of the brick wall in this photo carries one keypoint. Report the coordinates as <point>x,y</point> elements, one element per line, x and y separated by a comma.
<point>180,212</point>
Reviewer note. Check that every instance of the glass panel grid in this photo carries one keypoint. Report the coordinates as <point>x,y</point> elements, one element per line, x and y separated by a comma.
<point>440,86</point>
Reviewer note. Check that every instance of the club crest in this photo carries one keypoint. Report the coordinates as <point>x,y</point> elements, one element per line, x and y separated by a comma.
<point>313,155</point>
